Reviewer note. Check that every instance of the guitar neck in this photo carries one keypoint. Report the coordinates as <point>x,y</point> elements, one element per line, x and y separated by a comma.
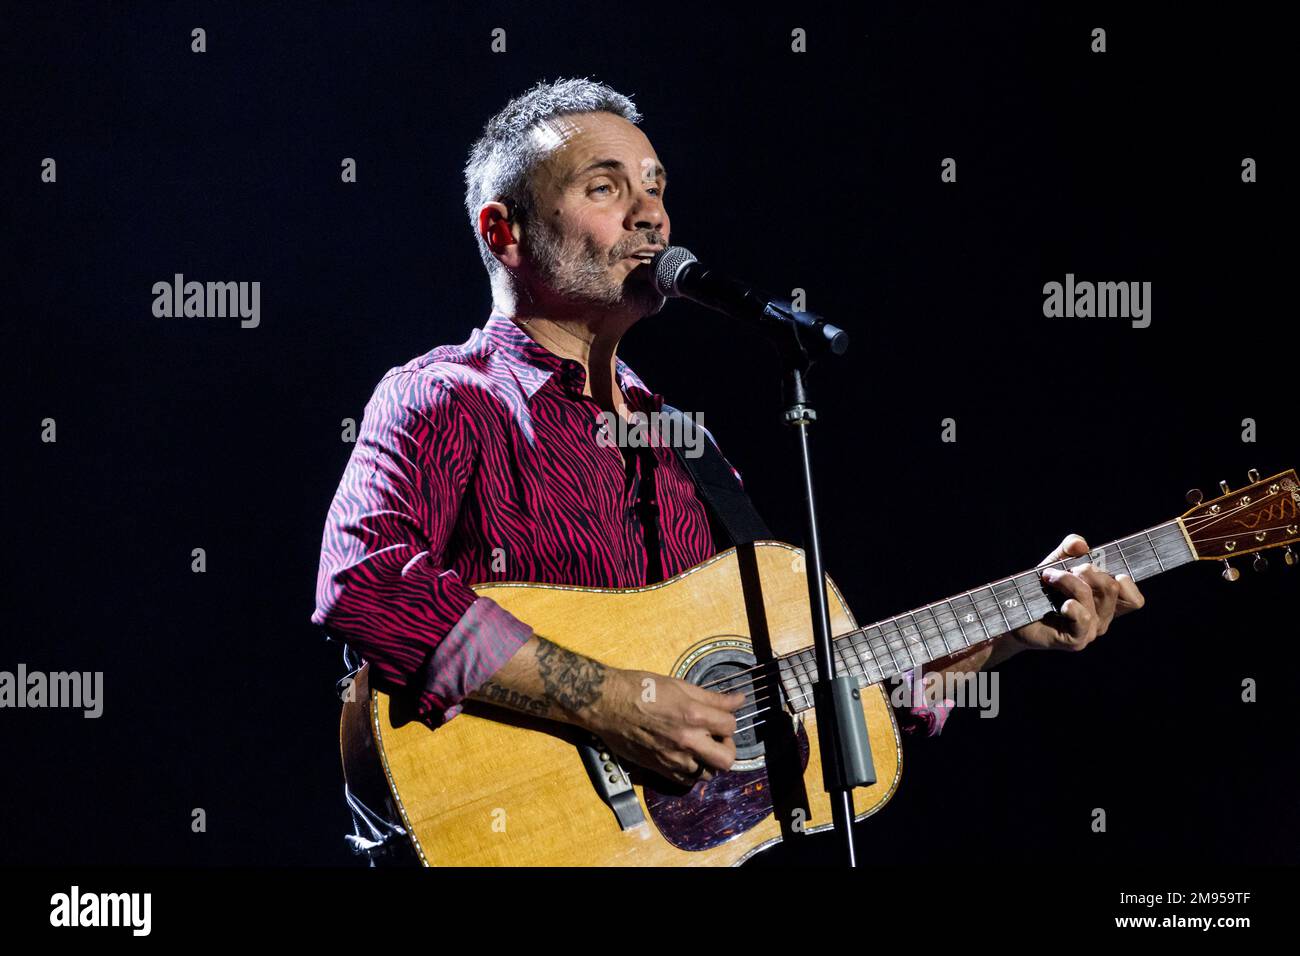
<point>890,647</point>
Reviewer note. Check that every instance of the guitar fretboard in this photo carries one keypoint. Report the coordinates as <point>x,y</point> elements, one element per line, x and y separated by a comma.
<point>888,648</point>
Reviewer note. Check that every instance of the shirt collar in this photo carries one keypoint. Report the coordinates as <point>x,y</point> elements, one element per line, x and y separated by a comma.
<point>533,364</point>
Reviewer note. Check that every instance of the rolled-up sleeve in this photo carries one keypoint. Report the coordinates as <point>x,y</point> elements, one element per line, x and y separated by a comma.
<point>382,586</point>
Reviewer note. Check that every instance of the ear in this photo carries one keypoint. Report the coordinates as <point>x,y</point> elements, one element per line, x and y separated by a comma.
<point>501,236</point>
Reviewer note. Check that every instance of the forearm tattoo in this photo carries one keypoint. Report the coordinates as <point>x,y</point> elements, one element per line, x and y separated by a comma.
<point>570,680</point>
<point>494,693</point>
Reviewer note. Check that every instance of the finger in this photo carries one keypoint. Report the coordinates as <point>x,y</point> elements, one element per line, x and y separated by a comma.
<point>718,754</point>
<point>1130,598</point>
<point>1070,585</point>
<point>1079,610</point>
<point>1072,545</point>
<point>686,772</point>
<point>721,723</point>
<point>731,700</point>
<point>1105,592</point>
<point>1081,625</point>
<point>709,716</point>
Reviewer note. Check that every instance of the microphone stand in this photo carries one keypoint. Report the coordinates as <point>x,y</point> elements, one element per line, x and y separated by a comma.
<point>842,730</point>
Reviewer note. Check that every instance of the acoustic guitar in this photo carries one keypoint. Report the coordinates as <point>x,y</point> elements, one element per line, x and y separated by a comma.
<point>494,787</point>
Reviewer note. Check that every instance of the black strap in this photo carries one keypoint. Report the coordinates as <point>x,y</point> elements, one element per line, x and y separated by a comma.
<point>730,509</point>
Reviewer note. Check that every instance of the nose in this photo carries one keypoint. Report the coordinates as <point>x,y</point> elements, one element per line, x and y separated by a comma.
<point>648,212</point>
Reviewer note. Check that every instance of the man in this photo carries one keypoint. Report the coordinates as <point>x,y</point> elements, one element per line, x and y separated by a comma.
<point>485,461</point>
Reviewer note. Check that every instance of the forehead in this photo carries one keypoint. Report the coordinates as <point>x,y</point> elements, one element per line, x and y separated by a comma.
<point>575,140</point>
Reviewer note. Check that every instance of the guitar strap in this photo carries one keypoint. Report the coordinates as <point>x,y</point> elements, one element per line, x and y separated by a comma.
<point>734,521</point>
<point>732,516</point>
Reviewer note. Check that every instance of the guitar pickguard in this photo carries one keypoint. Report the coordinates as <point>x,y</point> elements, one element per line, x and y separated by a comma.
<point>715,811</point>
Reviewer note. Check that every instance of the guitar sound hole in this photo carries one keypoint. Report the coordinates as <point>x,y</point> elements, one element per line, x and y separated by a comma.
<point>727,670</point>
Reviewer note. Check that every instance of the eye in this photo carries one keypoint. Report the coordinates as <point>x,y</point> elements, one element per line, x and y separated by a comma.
<point>601,186</point>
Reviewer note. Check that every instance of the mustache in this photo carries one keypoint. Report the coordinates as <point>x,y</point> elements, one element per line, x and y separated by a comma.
<point>655,242</point>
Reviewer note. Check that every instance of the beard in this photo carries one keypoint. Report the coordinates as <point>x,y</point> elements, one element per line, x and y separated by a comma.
<point>579,270</point>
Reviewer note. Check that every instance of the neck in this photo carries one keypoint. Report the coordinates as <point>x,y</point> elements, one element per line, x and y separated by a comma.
<point>591,340</point>
<point>888,648</point>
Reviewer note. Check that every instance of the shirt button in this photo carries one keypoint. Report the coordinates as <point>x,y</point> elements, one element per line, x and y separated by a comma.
<point>572,376</point>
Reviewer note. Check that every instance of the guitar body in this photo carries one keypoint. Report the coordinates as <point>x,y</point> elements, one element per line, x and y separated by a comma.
<point>495,788</point>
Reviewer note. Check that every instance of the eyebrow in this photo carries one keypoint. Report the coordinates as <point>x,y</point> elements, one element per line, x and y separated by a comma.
<point>616,165</point>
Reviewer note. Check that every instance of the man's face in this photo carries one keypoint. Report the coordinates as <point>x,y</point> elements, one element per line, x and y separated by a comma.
<point>599,199</point>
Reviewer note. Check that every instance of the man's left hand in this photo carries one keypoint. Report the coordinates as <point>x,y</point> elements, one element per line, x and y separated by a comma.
<point>1093,599</point>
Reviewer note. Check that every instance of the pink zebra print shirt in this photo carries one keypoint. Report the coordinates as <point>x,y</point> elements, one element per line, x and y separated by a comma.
<point>480,462</point>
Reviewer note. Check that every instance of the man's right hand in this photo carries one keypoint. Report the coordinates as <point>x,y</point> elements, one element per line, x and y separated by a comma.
<point>674,728</point>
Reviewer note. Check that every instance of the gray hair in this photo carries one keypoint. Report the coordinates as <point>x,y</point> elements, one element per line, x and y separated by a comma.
<point>503,159</point>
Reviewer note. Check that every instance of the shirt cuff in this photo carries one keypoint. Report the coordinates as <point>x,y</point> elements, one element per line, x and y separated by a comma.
<point>920,717</point>
<point>480,644</point>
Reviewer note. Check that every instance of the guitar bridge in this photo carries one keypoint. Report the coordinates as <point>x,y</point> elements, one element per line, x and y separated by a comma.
<point>612,783</point>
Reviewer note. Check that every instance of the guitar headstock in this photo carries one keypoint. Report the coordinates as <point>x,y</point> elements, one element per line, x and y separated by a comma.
<point>1264,514</point>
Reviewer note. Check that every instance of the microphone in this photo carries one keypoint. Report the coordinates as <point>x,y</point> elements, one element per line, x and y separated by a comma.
<point>678,274</point>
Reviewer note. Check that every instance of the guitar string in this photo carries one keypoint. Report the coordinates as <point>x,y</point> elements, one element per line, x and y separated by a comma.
<point>1207,519</point>
<point>1216,537</point>
<point>864,666</point>
<point>1169,531</point>
<point>1151,543</point>
<point>870,651</point>
<point>1164,533</point>
<point>1132,551</point>
<point>803,695</point>
<point>880,625</point>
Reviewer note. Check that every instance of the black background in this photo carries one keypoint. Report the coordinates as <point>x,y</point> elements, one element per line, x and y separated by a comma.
<point>819,171</point>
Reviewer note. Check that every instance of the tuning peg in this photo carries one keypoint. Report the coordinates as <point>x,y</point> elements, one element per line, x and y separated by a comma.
<point>1223,486</point>
<point>1253,475</point>
<point>1229,572</point>
<point>1260,563</point>
<point>1195,497</point>
<point>1289,557</point>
